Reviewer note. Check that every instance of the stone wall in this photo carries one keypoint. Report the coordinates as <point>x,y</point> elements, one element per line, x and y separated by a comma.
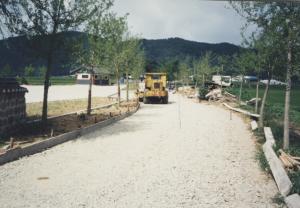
<point>12,106</point>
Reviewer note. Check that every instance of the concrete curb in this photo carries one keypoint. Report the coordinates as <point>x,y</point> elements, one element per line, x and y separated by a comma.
<point>254,125</point>
<point>15,154</point>
<point>269,136</point>
<point>282,180</point>
<point>293,201</point>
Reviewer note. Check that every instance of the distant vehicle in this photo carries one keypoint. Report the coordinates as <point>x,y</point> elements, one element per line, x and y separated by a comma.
<point>273,82</point>
<point>245,79</point>
<point>171,85</point>
<point>155,88</point>
<point>224,81</point>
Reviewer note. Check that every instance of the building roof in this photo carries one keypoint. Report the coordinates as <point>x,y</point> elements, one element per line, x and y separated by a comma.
<point>88,69</point>
<point>10,85</point>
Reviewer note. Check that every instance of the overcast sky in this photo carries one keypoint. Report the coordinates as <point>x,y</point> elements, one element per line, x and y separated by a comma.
<point>198,20</point>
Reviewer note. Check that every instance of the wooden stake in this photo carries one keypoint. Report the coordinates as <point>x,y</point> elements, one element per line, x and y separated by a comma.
<point>11,145</point>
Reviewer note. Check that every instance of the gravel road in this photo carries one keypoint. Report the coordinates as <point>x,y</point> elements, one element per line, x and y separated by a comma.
<point>68,92</point>
<point>183,154</point>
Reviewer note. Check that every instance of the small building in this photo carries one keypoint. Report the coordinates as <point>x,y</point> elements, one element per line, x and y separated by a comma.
<point>12,106</point>
<point>98,78</point>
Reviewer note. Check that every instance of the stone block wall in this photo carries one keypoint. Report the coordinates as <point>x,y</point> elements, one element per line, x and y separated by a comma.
<point>12,107</point>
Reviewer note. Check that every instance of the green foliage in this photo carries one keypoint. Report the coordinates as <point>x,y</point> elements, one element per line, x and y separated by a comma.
<point>279,200</point>
<point>246,95</point>
<point>41,71</point>
<point>295,178</point>
<point>263,163</point>
<point>275,97</point>
<point>184,71</point>
<point>29,71</point>
<point>203,68</point>
<point>6,71</point>
<point>202,92</point>
<point>64,80</point>
<point>245,63</point>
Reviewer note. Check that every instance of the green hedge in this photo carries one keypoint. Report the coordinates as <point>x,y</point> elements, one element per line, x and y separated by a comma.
<point>63,80</point>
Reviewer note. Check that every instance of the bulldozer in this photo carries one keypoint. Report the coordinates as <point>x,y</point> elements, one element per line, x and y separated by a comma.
<point>155,88</point>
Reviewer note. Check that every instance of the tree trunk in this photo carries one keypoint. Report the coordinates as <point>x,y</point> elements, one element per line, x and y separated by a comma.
<point>48,74</point>
<point>262,107</point>
<point>256,101</point>
<point>89,107</point>
<point>203,80</point>
<point>286,122</point>
<point>241,89</point>
<point>221,80</point>
<point>118,86</point>
<point>46,89</point>
<point>127,87</point>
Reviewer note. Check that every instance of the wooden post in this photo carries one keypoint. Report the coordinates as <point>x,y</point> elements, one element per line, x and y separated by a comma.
<point>90,95</point>
<point>11,144</point>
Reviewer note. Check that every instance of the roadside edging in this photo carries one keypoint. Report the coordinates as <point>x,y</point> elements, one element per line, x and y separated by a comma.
<point>16,153</point>
<point>281,178</point>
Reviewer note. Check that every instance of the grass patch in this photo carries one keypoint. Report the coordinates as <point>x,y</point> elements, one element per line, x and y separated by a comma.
<point>263,163</point>
<point>62,80</point>
<point>295,178</point>
<point>55,108</point>
<point>260,136</point>
<point>279,200</point>
<point>276,94</point>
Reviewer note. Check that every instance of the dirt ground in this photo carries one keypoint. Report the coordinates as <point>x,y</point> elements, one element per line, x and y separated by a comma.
<point>68,92</point>
<point>183,154</point>
<point>33,132</point>
<point>60,107</point>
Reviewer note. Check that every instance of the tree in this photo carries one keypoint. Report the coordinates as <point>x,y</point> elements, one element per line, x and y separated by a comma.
<point>203,68</point>
<point>115,28</point>
<point>281,21</point>
<point>29,71</point>
<point>223,61</point>
<point>6,71</point>
<point>184,72</point>
<point>133,60</point>
<point>245,63</point>
<point>48,18</point>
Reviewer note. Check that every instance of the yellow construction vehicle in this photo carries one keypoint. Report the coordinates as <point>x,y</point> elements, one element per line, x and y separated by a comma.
<point>155,88</point>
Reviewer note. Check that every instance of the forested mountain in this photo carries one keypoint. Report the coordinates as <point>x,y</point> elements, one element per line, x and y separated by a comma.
<point>161,49</point>
<point>18,52</point>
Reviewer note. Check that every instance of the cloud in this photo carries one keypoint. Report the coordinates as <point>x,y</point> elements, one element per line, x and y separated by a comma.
<point>203,21</point>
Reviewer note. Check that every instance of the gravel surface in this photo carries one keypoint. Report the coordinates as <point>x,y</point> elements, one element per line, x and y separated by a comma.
<point>183,154</point>
<point>68,92</point>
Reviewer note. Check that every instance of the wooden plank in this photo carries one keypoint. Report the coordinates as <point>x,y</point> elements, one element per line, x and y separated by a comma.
<point>231,95</point>
<point>254,125</point>
<point>241,111</point>
<point>282,180</point>
<point>269,136</point>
